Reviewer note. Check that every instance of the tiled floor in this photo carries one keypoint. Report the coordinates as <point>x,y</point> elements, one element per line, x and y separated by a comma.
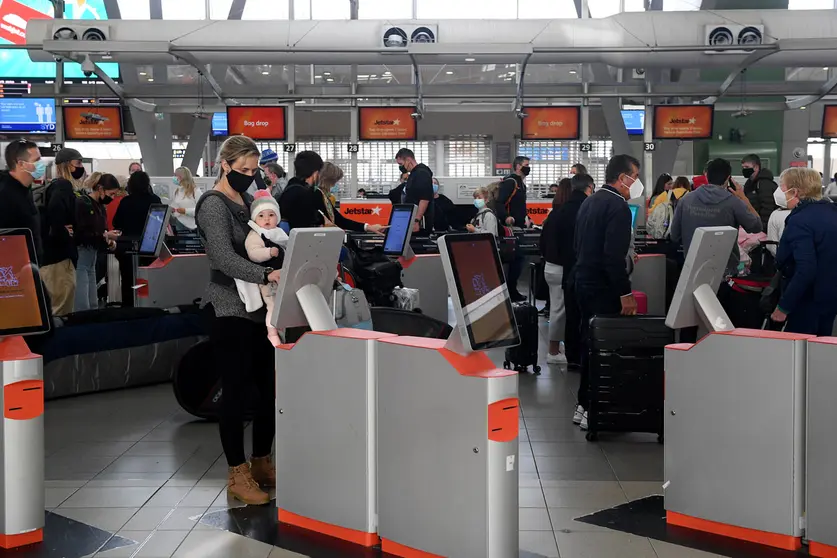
<point>132,463</point>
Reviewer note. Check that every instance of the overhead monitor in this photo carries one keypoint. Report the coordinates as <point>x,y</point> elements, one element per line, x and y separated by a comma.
<point>257,122</point>
<point>634,120</point>
<point>307,279</point>
<point>154,232</point>
<point>695,302</point>
<point>481,303</point>
<point>219,124</point>
<point>397,240</point>
<point>27,116</point>
<point>23,307</point>
<point>99,123</point>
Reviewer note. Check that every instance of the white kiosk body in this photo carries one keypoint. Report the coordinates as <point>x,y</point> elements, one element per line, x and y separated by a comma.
<point>325,400</point>
<point>23,311</point>
<point>734,414</point>
<point>448,421</point>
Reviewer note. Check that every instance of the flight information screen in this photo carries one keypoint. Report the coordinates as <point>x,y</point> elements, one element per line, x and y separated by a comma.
<point>27,116</point>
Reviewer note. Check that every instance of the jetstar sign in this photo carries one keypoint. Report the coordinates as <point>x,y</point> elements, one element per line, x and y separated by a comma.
<point>372,213</point>
<point>387,123</point>
<point>14,17</point>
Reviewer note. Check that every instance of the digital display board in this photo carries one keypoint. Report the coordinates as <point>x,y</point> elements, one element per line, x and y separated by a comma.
<point>219,124</point>
<point>550,123</point>
<point>387,123</point>
<point>27,116</point>
<point>258,123</point>
<point>683,122</point>
<point>634,121</point>
<point>14,17</point>
<point>93,123</point>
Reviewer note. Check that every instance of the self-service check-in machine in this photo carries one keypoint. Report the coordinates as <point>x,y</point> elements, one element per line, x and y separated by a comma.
<point>448,421</point>
<point>171,279</point>
<point>23,311</point>
<point>325,401</point>
<point>734,414</point>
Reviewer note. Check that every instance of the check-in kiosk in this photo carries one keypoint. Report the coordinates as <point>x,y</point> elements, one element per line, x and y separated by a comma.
<point>325,401</point>
<point>171,279</point>
<point>448,421</point>
<point>734,414</point>
<point>423,272</point>
<point>23,311</point>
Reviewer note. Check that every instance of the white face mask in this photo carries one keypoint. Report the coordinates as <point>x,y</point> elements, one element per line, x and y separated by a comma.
<point>637,189</point>
<point>780,198</point>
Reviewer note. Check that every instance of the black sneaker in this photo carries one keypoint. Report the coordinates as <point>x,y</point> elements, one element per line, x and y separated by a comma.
<point>517,297</point>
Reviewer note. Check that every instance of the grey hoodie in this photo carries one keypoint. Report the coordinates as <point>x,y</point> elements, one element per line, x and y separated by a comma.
<point>712,206</point>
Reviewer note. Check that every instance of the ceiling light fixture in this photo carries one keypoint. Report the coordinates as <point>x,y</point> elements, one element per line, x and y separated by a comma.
<point>825,69</point>
<point>318,77</point>
<point>150,79</point>
<point>573,72</point>
<point>470,60</point>
<point>802,108</point>
<point>330,79</point>
<point>265,73</point>
<point>143,73</point>
<point>326,73</point>
<point>449,72</point>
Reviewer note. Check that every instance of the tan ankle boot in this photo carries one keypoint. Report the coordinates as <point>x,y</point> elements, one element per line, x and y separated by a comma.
<point>263,471</point>
<point>244,488</point>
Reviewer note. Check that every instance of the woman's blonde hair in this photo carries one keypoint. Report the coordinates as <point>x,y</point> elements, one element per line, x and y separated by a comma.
<point>807,182</point>
<point>233,149</point>
<point>187,183</point>
<point>92,181</point>
<point>65,171</point>
<point>330,175</point>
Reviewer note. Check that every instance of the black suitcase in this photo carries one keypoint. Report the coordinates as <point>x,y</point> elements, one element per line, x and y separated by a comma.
<point>525,355</point>
<point>627,378</point>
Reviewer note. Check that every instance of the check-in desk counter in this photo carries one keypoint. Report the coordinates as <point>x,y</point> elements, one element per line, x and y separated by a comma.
<point>172,280</point>
<point>821,458</point>
<point>447,452</point>
<point>649,277</point>
<point>735,436</point>
<point>326,433</point>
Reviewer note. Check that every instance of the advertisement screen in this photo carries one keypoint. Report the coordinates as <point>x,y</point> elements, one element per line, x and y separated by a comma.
<point>22,304</point>
<point>400,225</point>
<point>550,123</point>
<point>258,123</point>
<point>27,116</point>
<point>482,292</point>
<point>14,17</point>
<point>829,121</point>
<point>387,123</point>
<point>683,122</point>
<point>93,123</point>
<point>219,124</point>
<point>634,121</point>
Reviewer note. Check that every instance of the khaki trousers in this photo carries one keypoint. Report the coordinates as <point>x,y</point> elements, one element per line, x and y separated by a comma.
<point>60,281</point>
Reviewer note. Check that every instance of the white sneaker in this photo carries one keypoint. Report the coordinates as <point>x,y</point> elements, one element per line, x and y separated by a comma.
<point>579,414</point>
<point>583,424</point>
<point>559,359</point>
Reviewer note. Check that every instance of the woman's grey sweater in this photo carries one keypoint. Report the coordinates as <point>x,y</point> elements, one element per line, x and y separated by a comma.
<point>222,233</point>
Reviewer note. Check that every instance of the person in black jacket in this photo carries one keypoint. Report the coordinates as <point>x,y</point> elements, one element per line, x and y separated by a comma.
<point>396,195</point>
<point>444,210</point>
<point>92,237</point>
<point>511,210</point>
<point>759,187</point>
<point>130,220</point>
<point>17,207</point>
<point>557,248</point>
<point>60,255</point>
<point>418,190</point>
<point>327,187</point>
<point>603,235</point>
<point>298,201</point>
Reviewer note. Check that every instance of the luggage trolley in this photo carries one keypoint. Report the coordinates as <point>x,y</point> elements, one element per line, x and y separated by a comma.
<point>23,311</point>
<point>448,421</point>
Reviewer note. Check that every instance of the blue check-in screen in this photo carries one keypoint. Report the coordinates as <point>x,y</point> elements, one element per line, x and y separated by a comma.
<point>27,116</point>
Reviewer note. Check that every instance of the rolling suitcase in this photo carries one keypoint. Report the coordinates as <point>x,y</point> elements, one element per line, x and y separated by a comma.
<point>627,374</point>
<point>521,357</point>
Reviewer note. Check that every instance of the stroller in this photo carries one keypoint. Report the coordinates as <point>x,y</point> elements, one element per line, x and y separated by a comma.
<point>742,300</point>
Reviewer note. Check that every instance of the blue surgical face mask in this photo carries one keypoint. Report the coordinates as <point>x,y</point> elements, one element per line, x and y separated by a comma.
<point>39,171</point>
<point>435,188</point>
<point>335,190</point>
<point>176,181</point>
<point>479,203</point>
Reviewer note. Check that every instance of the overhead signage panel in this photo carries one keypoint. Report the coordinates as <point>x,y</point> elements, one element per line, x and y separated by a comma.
<point>550,123</point>
<point>93,123</point>
<point>683,122</point>
<point>829,121</point>
<point>258,123</point>
<point>387,123</point>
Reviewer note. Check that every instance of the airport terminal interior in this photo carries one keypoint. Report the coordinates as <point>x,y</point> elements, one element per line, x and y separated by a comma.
<point>387,238</point>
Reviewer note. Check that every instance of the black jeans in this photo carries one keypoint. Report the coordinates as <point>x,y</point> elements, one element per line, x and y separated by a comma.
<point>245,361</point>
<point>593,300</point>
<point>515,271</point>
<point>572,332</point>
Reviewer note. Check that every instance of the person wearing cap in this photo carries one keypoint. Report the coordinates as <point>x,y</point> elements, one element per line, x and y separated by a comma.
<point>259,183</point>
<point>59,213</point>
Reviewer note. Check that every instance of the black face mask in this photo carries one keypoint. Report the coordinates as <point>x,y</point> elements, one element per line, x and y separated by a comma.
<point>77,172</point>
<point>106,200</point>
<point>403,169</point>
<point>239,181</point>
<point>747,173</point>
<point>525,171</point>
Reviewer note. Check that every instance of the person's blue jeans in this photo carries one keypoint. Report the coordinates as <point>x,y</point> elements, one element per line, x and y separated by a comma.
<point>86,293</point>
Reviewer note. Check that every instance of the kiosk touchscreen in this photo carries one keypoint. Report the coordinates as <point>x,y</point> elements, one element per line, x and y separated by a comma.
<point>481,303</point>
<point>397,239</point>
<point>307,279</point>
<point>23,308</point>
<point>154,232</point>
<point>695,301</point>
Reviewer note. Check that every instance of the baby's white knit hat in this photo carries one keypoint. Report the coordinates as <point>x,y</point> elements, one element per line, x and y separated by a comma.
<point>263,200</point>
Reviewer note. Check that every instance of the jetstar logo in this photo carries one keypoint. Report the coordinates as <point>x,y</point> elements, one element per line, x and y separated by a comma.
<point>537,211</point>
<point>683,121</point>
<point>395,122</point>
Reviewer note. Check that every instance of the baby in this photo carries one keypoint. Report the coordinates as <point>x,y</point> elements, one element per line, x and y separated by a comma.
<point>265,245</point>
